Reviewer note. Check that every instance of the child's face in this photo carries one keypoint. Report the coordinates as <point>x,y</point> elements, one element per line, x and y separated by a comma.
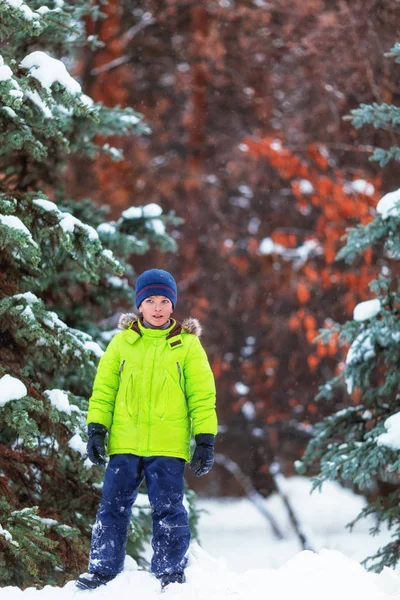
<point>156,310</point>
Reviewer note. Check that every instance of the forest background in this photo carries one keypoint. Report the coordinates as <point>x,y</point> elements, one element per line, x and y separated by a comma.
<point>220,148</point>
<point>249,145</point>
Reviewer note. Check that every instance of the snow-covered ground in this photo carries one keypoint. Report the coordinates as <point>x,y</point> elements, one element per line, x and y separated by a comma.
<point>241,560</point>
<point>236,531</point>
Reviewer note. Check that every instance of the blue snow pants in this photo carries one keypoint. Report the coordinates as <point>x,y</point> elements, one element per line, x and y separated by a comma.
<point>165,487</point>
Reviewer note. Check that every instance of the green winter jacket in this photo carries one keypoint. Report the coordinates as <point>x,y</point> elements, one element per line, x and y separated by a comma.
<point>153,389</point>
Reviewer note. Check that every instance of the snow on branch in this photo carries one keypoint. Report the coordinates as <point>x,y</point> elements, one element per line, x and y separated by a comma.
<point>72,228</point>
<point>48,70</point>
<point>10,93</point>
<point>11,388</point>
<point>298,256</point>
<point>32,326</point>
<point>389,205</point>
<point>18,15</point>
<point>16,223</point>
<point>391,437</point>
<point>367,310</point>
<point>8,537</point>
<point>59,399</point>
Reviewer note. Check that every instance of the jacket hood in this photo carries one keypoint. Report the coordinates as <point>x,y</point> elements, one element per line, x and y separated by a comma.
<point>189,325</point>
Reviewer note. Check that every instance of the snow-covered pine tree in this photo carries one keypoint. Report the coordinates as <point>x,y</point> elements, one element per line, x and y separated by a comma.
<point>361,444</point>
<point>59,275</point>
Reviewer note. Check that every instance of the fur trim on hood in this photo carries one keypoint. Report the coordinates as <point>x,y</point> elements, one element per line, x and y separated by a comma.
<point>189,325</point>
<point>126,319</point>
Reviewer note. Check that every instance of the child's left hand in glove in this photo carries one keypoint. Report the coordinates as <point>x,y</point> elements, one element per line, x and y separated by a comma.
<point>203,456</point>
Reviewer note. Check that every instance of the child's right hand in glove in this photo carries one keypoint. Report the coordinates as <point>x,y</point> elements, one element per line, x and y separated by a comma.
<point>96,445</point>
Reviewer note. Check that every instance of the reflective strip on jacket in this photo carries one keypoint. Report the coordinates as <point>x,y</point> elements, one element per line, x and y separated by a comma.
<point>153,389</point>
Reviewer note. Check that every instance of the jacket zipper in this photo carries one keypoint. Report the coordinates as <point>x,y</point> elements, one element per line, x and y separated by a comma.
<point>120,369</point>
<point>180,377</point>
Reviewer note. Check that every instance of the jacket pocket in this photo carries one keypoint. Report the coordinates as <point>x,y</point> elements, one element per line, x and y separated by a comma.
<point>131,397</point>
<point>172,402</point>
<point>162,401</point>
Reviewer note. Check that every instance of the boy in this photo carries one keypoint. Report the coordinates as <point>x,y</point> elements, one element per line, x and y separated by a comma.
<point>153,387</point>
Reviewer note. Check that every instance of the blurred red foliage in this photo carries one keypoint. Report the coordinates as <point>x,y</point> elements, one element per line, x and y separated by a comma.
<point>245,100</point>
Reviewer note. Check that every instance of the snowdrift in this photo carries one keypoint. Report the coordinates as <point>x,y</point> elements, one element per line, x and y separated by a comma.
<point>328,575</point>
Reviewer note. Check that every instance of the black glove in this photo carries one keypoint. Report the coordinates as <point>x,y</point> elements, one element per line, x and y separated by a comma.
<point>203,456</point>
<point>96,445</point>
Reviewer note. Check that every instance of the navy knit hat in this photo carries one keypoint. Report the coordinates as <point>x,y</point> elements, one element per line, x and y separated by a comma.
<point>155,282</point>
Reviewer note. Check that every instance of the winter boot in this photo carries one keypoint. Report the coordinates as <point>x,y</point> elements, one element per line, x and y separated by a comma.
<point>91,581</point>
<point>172,578</point>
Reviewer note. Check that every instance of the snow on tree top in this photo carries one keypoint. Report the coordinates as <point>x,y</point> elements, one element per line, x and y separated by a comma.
<point>11,388</point>
<point>389,205</point>
<point>367,310</point>
<point>48,70</point>
<point>391,438</point>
